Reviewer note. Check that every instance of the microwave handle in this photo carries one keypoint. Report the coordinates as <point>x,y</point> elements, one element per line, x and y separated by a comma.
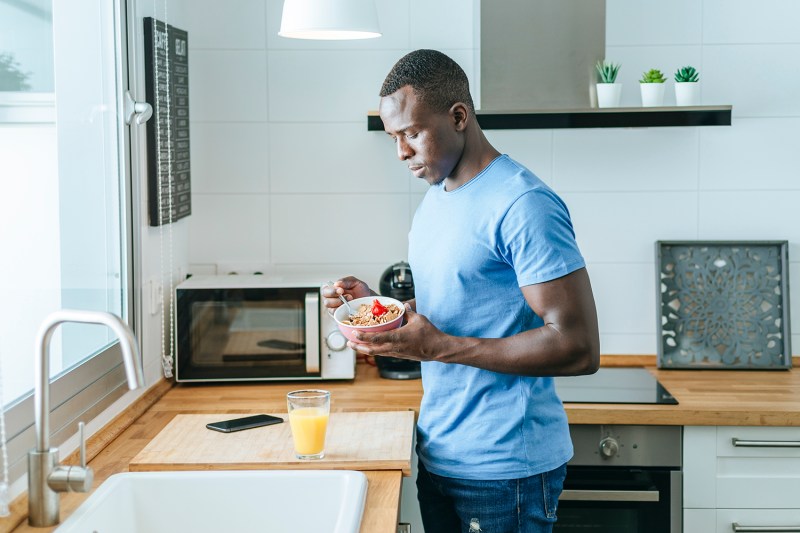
<point>312,332</point>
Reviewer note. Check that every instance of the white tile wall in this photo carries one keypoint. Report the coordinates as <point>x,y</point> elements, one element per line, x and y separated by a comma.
<point>240,24</point>
<point>283,164</point>
<point>228,85</point>
<point>748,21</point>
<point>626,159</point>
<point>638,23</point>
<point>337,228</point>
<point>757,153</point>
<point>229,228</point>
<point>364,164</point>
<point>775,96</point>
<point>230,157</point>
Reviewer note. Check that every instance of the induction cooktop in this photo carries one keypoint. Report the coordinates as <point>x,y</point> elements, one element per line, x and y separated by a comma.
<point>614,385</point>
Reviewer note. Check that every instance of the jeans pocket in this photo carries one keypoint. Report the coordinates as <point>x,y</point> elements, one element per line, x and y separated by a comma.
<point>552,484</point>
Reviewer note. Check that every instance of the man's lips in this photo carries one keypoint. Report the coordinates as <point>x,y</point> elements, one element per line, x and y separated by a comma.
<point>415,168</point>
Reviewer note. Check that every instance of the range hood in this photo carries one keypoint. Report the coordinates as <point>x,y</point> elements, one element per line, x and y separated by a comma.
<point>537,71</point>
<point>540,54</point>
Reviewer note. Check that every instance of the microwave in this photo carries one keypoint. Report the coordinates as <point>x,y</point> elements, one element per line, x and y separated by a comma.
<point>251,328</point>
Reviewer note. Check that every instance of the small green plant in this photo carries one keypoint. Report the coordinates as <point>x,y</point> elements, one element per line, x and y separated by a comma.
<point>607,71</point>
<point>686,75</point>
<point>653,76</point>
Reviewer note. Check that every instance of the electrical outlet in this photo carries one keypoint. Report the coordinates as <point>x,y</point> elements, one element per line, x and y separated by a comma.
<point>242,268</point>
<point>154,298</point>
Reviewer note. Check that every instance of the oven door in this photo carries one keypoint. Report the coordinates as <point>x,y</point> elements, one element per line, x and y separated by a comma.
<point>620,500</point>
<point>236,334</point>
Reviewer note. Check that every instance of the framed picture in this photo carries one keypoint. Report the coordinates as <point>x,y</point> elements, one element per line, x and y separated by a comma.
<point>723,304</point>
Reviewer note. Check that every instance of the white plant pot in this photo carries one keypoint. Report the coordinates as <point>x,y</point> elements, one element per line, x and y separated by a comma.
<point>608,94</point>
<point>687,93</point>
<point>652,94</point>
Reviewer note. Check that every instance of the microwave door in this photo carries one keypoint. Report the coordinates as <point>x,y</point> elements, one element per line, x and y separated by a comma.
<point>312,332</point>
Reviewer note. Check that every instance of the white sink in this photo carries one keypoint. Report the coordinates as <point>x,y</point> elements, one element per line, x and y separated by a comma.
<point>273,501</point>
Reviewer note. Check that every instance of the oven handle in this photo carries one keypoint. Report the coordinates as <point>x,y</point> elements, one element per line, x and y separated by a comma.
<point>609,495</point>
<point>312,332</point>
<point>766,443</point>
<point>756,529</point>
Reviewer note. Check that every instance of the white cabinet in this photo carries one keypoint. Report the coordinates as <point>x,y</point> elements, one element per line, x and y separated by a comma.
<point>748,476</point>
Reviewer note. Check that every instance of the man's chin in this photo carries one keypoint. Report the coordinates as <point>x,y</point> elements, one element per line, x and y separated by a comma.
<point>433,180</point>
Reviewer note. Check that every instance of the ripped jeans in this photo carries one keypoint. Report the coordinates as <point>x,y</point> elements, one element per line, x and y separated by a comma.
<point>527,505</point>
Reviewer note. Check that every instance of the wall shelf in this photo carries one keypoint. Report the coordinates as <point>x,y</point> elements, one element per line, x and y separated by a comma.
<point>617,117</point>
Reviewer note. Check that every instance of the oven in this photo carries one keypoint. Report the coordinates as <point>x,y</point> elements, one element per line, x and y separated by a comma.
<point>623,479</point>
<point>253,328</point>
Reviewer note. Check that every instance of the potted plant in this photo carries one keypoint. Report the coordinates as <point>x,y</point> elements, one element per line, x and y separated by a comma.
<point>608,90</point>
<point>652,86</point>
<point>687,88</point>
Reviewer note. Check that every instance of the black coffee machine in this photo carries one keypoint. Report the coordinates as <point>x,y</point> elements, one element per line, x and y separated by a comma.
<point>397,282</point>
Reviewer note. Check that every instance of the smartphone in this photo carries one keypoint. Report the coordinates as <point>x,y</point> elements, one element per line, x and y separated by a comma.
<point>248,422</point>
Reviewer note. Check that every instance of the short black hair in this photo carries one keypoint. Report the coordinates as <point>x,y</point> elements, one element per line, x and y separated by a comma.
<point>437,80</point>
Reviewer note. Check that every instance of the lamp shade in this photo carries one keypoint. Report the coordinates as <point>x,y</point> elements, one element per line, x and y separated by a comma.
<point>329,19</point>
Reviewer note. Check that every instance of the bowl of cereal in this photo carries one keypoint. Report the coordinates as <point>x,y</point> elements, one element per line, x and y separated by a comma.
<point>371,314</point>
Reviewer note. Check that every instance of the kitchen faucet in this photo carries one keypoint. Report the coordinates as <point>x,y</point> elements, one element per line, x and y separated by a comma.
<point>46,478</point>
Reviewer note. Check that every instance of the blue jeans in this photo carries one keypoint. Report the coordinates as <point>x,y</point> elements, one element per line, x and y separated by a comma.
<point>527,505</point>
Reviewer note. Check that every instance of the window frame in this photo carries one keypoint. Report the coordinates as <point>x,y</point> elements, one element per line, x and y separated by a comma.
<point>87,389</point>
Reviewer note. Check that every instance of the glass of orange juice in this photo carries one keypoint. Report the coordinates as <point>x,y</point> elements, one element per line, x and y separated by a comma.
<point>308,418</point>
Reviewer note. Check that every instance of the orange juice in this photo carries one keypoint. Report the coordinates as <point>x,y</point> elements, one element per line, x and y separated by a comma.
<point>309,425</point>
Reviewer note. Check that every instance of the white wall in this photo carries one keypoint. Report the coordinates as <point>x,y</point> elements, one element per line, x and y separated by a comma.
<point>279,141</point>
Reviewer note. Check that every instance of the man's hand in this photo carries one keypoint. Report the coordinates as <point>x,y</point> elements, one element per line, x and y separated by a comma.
<point>349,287</point>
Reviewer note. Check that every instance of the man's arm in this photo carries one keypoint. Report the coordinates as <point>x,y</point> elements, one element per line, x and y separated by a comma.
<point>567,344</point>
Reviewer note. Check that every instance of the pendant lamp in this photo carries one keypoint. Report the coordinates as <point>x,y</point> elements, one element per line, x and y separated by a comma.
<point>329,19</point>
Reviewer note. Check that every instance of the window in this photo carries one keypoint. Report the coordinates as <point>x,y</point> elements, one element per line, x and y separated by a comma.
<point>64,206</point>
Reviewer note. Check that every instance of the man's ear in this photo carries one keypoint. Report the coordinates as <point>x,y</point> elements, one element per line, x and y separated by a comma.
<point>460,114</point>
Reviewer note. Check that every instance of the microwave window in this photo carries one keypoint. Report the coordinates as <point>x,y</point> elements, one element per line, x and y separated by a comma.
<point>248,333</point>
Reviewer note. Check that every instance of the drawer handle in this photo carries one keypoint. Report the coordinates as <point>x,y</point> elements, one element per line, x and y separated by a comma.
<point>766,443</point>
<point>609,495</point>
<point>756,529</point>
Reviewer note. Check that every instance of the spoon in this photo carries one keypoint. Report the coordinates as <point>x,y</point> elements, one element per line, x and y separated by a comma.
<point>343,299</point>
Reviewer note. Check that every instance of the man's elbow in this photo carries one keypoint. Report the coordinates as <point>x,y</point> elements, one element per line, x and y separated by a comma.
<point>586,358</point>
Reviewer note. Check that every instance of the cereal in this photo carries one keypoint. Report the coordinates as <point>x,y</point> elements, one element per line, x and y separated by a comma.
<point>365,317</point>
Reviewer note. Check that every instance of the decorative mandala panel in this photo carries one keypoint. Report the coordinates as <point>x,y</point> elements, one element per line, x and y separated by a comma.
<point>723,304</point>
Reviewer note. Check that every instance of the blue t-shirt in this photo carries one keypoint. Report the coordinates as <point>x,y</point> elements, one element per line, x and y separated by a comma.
<point>471,249</point>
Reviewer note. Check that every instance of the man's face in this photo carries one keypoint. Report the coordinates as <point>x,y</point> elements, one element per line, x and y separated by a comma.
<point>430,143</point>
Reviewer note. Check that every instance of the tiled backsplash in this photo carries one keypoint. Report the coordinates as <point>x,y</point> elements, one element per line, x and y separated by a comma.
<point>284,168</point>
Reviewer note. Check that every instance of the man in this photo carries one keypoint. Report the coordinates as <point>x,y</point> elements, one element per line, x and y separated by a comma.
<point>503,302</point>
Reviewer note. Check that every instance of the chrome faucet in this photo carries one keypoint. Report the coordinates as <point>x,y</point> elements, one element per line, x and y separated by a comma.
<point>46,478</point>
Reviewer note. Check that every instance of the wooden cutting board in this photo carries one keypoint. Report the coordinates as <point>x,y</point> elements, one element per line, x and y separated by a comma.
<point>355,441</point>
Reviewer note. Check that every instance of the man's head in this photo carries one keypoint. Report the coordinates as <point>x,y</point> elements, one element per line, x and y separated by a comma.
<point>427,109</point>
<point>438,81</point>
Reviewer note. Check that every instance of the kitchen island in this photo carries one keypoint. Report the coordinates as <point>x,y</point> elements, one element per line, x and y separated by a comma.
<point>706,398</point>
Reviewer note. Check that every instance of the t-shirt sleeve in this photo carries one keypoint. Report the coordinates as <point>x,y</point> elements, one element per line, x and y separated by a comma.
<point>537,238</point>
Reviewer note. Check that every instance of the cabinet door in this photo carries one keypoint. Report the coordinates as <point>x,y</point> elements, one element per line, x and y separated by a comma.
<point>751,520</point>
<point>699,520</point>
<point>699,467</point>
<point>757,467</point>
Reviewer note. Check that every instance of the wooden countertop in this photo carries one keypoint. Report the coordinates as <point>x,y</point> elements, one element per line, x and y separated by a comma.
<point>706,397</point>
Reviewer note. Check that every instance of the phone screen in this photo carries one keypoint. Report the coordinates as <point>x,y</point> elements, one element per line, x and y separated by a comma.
<point>248,422</point>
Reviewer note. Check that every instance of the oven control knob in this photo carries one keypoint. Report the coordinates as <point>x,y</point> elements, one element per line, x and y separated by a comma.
<point>609,447</point>
<point>336,341</point>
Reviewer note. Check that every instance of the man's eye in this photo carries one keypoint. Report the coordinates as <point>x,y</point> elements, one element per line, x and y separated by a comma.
<point>411,135</point>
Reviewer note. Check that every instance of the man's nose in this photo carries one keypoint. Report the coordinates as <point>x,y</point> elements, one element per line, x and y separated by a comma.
<point>403,150</point>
